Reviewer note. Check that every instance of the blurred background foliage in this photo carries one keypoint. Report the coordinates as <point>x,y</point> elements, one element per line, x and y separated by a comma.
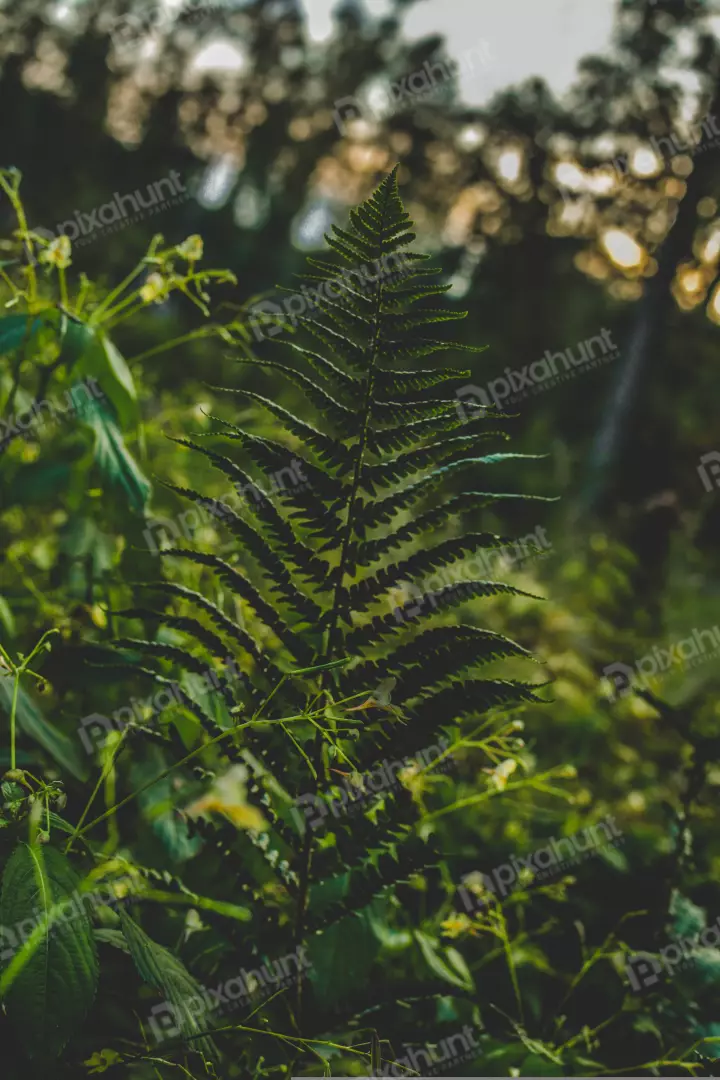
<point>553,220</point>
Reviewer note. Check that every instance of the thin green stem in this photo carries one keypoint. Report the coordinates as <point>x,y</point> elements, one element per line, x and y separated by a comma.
<point>510,960</point>
<point>11,190</point>
<point>101,779</point>
<point>112,296</point>
<point>62,280</point>
<point>176,765</point>
<point>114,319</point>
<point>13,711</point>
<point>8,281</point>
<point>203,331</point>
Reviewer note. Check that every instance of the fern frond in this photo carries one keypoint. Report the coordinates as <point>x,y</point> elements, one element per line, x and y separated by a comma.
<point>329,552</point>
<point>281,582</point>
<point>241,585</point>
<point>382,626</point>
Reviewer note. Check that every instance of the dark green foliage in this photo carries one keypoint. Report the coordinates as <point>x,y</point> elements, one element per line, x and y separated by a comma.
<point>56,986</point>
<point>373,446</point>
<point>315,566</point>
<point>158,967</point>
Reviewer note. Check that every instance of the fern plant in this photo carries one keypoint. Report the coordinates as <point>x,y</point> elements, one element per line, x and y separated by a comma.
<point>315,570</point>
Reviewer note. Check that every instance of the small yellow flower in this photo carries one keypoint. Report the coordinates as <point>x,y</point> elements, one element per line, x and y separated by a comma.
<point>192,248</point>
<point>101,1060</point>
<point>526,876</point>
<point>58,252</point>
<point>456,925</point>
<point>500,775</point>
<point>154,289</point>
<point>227,796</point>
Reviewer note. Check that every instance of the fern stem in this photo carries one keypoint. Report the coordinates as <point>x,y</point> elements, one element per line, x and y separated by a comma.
<point>307,849</point>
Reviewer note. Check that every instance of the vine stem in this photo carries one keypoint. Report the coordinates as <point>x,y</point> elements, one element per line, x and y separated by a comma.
<point>18,670</point>
<point>13,713</point>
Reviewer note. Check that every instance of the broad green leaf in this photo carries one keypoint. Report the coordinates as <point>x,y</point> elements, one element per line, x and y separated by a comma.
<point>457,974</point>
<point>182,1010</point>
<point>77,340</point>
<point>57,822</point>
<point>37,482</point>
<point>688,918</point>
<point>100,359</point>
<point>31,721</point>
<point>341,957</point>
<point>113,457</point>
<point>115,938</point>
<point>158,808</point>
<point>16,329</point>
<point>378,916</point>
<point>49,983</point>
<point>7,623</point>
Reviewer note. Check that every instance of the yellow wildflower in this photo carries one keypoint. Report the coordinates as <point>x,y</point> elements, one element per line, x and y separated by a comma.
<point>192,248</point>
<point>154,289</point>
<point>456,925</point>
<point>500,775</point>
<point>58,252</point>
<point>227,796</point>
